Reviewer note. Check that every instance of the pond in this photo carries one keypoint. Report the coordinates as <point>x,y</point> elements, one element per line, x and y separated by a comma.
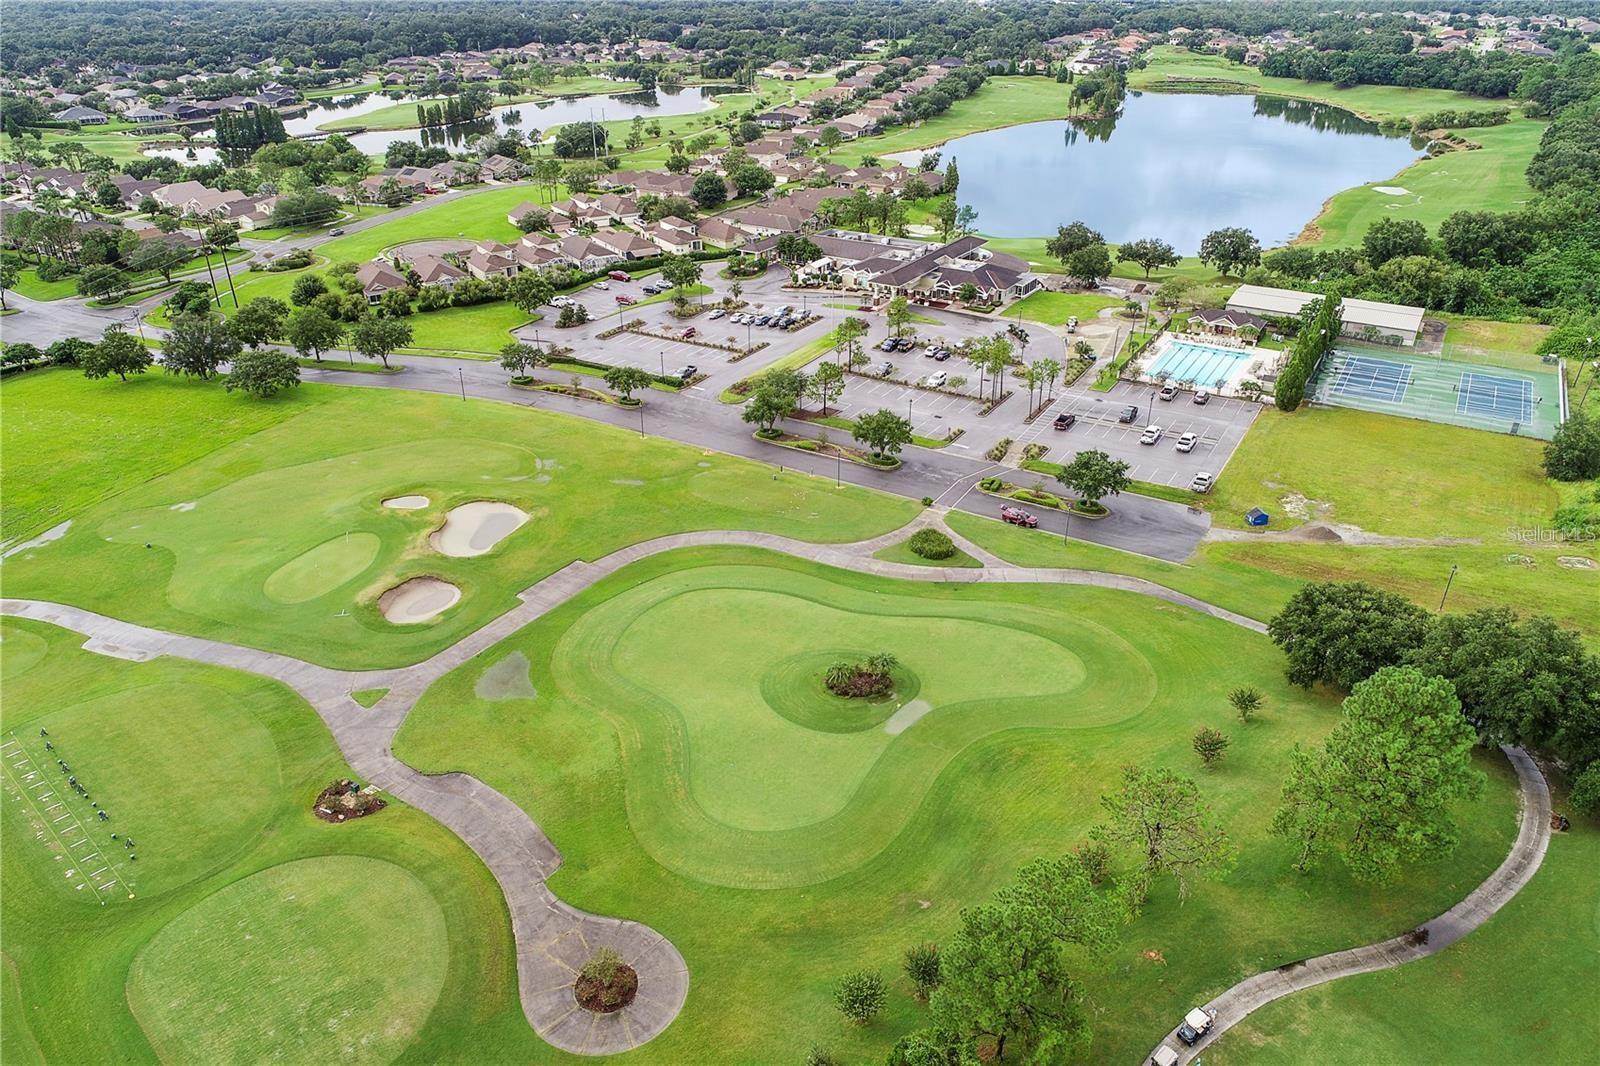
<point>542,115</point>
<point>1175,167</point>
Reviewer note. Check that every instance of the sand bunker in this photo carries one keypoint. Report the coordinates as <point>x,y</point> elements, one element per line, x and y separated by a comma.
<point>1391,190</point>
<point>406,503</point>
<point>474,528</point>
<point>417,600</point>
<point>906,717</point>
<point>507,680</point>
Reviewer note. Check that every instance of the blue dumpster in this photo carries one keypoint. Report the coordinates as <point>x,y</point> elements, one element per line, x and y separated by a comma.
<point>1256,517</point>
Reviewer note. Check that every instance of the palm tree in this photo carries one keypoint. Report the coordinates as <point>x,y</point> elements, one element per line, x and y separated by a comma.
<point>881,663</point>
<point>839,674</point>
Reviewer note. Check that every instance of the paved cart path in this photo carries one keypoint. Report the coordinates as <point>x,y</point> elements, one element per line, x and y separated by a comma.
<point>1533,837</point>
<point>552,938</point>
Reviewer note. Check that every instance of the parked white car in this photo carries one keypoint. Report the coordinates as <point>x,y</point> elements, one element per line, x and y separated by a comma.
<point>1151,434</point>
<point>936,379</point>
<point>1202,482</point>
<point>1187,442</point>
<point>716,312</point>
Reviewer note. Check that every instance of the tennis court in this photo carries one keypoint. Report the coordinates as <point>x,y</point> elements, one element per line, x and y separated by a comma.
<point>1523,402</point>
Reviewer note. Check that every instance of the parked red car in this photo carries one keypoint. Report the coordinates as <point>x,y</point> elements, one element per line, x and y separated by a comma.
<point>1018,517</point>
<point>689,331</point>
<point>624,299</point>
<point>620,275</point>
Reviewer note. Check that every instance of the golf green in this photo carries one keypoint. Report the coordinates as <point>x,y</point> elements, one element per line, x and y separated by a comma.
<point>333,958</point>
<point>679,749</point>
<point>277,537</point>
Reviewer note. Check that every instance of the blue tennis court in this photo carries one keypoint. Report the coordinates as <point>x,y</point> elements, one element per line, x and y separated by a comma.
<point>1366,378</point>
<point>1493,396</point>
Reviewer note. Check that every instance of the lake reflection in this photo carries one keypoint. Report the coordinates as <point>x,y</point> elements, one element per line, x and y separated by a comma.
<point>1174,167</point>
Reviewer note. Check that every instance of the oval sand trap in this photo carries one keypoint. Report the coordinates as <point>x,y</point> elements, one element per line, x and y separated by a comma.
<point>474,528</point>
<point>406,503</point>
<point>418,600</point>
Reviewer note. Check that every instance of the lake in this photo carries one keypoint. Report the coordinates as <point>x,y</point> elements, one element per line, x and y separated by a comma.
<point>542,115</point>
<point>1174,167</point>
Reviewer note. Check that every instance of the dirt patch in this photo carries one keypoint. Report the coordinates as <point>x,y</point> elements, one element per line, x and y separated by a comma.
<point>475,528</point>
<point>418,599</point>
<point>506,680</point>
<point>607,997</point>
<point>406,503</point>
<point>344,800</point>
<point>1576,562</point>
<point>1298,505</point>
<point>1520,560</point>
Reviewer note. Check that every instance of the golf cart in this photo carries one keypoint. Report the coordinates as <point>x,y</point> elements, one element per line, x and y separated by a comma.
<point>1164,1056</point>
<point>1196,1023</point>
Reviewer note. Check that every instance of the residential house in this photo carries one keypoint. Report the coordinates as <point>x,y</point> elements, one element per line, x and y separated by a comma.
<point>377,277</point>
<point>501,168</point>
<point>434,270</point>
<point>84,116</point>
<point>492,259</point>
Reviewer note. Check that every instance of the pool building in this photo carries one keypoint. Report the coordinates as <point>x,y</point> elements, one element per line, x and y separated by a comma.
<point>1367,320</point>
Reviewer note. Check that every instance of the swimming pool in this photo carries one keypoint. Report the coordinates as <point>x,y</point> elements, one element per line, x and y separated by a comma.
<point>1202,364</point>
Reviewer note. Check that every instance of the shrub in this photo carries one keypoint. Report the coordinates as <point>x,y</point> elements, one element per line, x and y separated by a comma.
<point>927,501</point>
<point>859,996</point>
<point>922,967</point>
<point>1209,744</point>
<point>821,1056</point>
<point>807,445</point>
<point>1246,701</point>
<point>991,484</point>
<point>1095,857</point>
<point>931,544</point>
<point>1585,795</point>
<point>998,452</point>
<point>606,983</point>
<point>1033,452</point>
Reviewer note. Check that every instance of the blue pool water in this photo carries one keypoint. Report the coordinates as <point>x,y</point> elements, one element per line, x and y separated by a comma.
<point>1199,363</point>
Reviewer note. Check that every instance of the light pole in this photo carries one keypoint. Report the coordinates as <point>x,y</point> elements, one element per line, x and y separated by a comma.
<point>663,356</point>
<point>462,377</point>
<point>1447,582</point>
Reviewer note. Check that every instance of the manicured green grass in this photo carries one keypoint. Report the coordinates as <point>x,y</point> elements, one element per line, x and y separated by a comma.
<point>1176,70</point>
<point>1485,340</point>
<point>482,329</point>
<point>318,469</point>
<point>1002,101</point>
<point>1391,475</point>
<point>369,697</point>
<point>1490,178</point>
<point>1242,588</point>
<point>1513,991</point>
<point>1054,308</point>
<point>30,285</point>
<point>321,912</point>
<point>708,787</point>
<point>55,429</point>
<point>902,553</point>
<point>251,923</point>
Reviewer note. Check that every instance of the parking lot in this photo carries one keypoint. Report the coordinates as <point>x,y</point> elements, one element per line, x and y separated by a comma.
<point>932,414</point>
<point>1219,424</point>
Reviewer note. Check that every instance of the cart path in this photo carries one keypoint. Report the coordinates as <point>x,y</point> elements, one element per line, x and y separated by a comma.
<point>1533,837</point>
<point>552,938</point>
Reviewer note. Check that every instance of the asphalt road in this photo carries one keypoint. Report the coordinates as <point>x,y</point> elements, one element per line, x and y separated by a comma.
<point>1137,523</point>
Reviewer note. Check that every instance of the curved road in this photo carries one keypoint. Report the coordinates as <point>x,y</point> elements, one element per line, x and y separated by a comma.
<point>552,938</point>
